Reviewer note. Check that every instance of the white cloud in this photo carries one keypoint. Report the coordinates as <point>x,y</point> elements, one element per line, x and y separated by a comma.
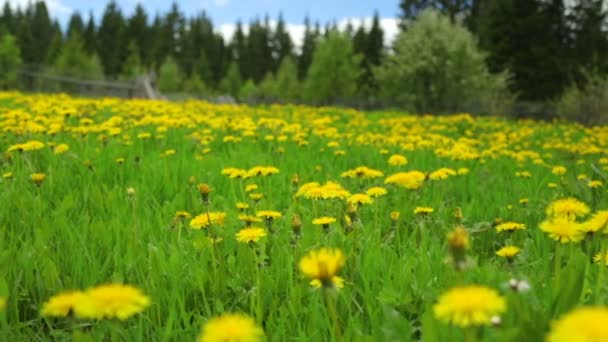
<point>296,31</point>
<point>55,7</point>
<point>221,3</point>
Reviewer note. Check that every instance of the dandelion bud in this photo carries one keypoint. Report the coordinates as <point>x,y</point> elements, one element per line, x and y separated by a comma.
<point>38,178</point>
<point>204,190</point>
<point>395,216</point>
<point>131,192</point>
<point>458,214</point>
<point>192,180</point>
<point>458,241</point>
<point>296,225</point>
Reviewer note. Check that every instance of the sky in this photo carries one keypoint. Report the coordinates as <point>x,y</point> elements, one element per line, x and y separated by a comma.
<point>225,13</point>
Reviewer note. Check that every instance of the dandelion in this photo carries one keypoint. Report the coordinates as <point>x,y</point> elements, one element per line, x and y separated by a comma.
<point>397,160</point>
<point>241,206</point>
<point>323,266</point>
<point>598,222</point>
<point>563,230</point>
<point>119,161</point>
<point>204,190</point>
<point>600,258</point>
<point>423,211</point>
<point>111,301</point>
<point>509,226</point>
<point>250,234</point>
<point>8,175</point>
<point>251,187</point>
<point>358,199</point>
<point>458,242</point>
<point>205,219</point>
<point>469,306</point>
<point>130,192</point>
<point>594,184</point>
<point>231,328</point>
<point>582,324</point>
<point>376,191</point>
<point>268,214</point>
<point>61,148</point>
<point>362,172</point>
<point>248,219</point>
<point>442,173</point>
<point>324,221</point>
<point>182,215</point>
<point>567,207</point>
<point>62,304</point>
<point>256,197</point>
<point>458,214</point>
<point>38,178</point>
<point>508,252</point>
<point>394,215</point>
<point>559,170</point>
<point>411,180</point>
<point>296,225</point>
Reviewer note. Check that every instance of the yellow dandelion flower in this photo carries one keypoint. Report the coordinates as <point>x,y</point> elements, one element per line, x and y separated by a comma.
<point>268,214</point>
<point>423,210</point>
<point>442,173</point>
<point>597,222</point>
<point>411,180</point>
<point>7,175</point>
<point>358,199</point>
<point>337,282</point>
<point>323,265</point>
<point>182,214</point>
<point>251,234</point>
<point>559,170</point>
<point>62,304</point>
<point>111,301</point>
<point>61,148</point>
<point>563,230</point>
<point>205,219</point>
<point>248,219</point>
<point>256,196</point>
<point>567,207</point>
<point>395,215</point>
<point>251,187</point>
<point>242,206</point>
<point>376,191</point>
<point>585,324</point>
<point>469,305</point>
<point>594,184</point>
<point>510,226</point>
<point>362,172</point>
<point>598,258</point>
<point>325,220</point>
<point>397,160</point>
<point>38,178</point>
<point>231,328</point>
<point>508,252</point>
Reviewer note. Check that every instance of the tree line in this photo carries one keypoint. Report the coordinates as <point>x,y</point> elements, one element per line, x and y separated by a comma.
<point>531,50</point>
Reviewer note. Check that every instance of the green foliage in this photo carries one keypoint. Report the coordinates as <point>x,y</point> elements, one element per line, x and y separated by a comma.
<point>194,85</point>
<point>587,103</point>
<point>73,61</point>
<point>231,84</point>
<point>132,66</point>
<point>437,67</point>
<point>170,78</point>
<point>249,93</point>
<point>10,61</point>
<point>334,71</point>
<point>287,84</point>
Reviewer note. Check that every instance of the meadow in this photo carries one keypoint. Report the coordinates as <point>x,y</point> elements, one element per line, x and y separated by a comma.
<point>136,220</point>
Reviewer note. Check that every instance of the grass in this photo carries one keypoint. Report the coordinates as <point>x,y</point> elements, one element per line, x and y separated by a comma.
<point>80,228</point>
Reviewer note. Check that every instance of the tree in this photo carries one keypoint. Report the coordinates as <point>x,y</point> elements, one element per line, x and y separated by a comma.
<point>90,36</point>
<point>132,66</point>
<point>41,28</point>
<point>75,25</point>
<point>10,61</point>
<point>287,84</point>
<point>452,8</point>
<point>281,43</point>
<point>231,83</point>
<point>73,61</point>
<point>170,78</point>
<point>139,33</point>
<point>437,67</point>
<point>308,48</point>
<point>334,71</point>
<point>112,44</point>
<point>590,44</point>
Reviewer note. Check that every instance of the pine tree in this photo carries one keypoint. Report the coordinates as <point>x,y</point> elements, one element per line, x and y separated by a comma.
<point>56,44</point>
<point>231,84</point>
<point>75,62</point>
<point>90,36</point>
<point>10,61</point>
<point>452,8</point>
<point>239,49</point>
<point>42,33</point>
<point>282,44</point>
<point>139,33</point>
<point>75,25</point>
<point>590,45</point>
<point>309,43</point>
<point>7,19</point>
<point>112,44</point>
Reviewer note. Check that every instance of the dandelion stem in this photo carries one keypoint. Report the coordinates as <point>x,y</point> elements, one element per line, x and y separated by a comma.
<point>600,276</point>
<point>558,265</point>
<point>331,308</point>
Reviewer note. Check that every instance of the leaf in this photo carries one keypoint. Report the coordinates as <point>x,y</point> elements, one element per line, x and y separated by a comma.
<point>571,286</point>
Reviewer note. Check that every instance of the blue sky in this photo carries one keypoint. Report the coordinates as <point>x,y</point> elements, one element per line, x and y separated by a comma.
<point>225,13</point>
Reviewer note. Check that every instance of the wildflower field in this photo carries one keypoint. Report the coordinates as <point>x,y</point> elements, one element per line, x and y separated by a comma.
<point>157,221</point>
